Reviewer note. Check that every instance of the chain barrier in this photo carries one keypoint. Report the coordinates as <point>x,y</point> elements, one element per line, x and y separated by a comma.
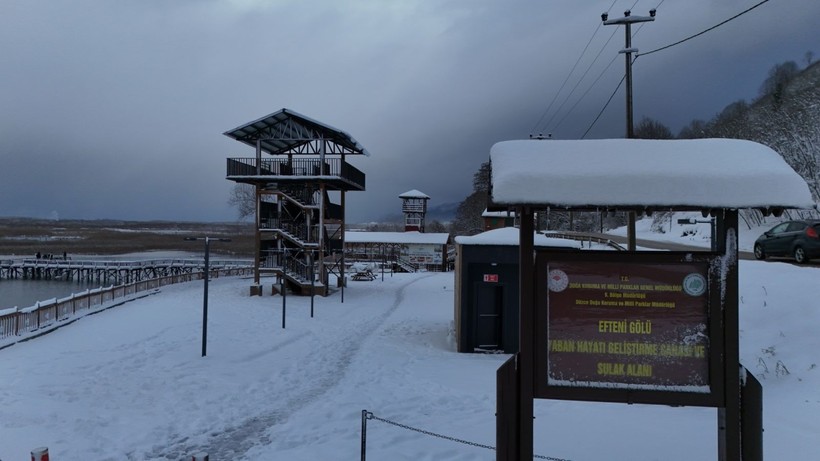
<point>370,415</point>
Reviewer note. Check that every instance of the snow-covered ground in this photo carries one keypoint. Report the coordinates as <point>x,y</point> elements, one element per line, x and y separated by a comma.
<point>698,234</point>
<point>129,383</point>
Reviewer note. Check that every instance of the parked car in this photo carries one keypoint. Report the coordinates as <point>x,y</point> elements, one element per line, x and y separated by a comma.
<point>798,239</point>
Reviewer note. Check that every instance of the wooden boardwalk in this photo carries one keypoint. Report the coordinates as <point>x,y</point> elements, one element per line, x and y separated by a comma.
<point>107,272</point>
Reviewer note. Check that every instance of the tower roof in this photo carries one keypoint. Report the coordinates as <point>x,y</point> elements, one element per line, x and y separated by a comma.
<point>286,131</point>
<point>414,194</point>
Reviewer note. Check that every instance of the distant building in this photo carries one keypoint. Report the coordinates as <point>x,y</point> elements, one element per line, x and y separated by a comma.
<point>499,219</point>
<point>409,251</point>
<point>414,207</point>
<point>405,251</point>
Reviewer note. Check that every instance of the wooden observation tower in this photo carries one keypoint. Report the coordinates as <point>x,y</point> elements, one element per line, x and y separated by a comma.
<point>299,229</point>
<point>414,207</point>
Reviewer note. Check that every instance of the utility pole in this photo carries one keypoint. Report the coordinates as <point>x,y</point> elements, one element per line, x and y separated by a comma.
<point>627,21</point>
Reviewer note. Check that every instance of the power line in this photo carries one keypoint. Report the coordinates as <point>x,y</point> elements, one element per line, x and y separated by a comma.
<point>560,122</point>
<point>605,106</point>
<point>703,32</point>
<point>580,80</point>
<point>548,126</point>
<point>565,80</point>
<point>546,111</point>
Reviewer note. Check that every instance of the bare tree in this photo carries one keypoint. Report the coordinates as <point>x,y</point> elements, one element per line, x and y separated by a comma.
<point>436,226</point>
<point>648,128</point>
<point>243,197</point>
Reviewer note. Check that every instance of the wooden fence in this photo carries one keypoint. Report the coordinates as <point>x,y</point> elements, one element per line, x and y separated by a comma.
<point>19,322</point>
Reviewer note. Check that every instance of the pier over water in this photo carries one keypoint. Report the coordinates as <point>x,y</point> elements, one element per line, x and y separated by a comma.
<point>107,272</point>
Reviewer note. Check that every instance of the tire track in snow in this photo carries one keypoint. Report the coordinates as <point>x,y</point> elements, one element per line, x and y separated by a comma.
<point>234,442</point>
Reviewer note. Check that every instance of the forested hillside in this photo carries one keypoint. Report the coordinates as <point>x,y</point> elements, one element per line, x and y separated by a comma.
<point>785,116</point>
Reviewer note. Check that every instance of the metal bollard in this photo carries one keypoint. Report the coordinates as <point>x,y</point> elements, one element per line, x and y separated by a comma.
<point>202,456</point>
<point>39,454</point>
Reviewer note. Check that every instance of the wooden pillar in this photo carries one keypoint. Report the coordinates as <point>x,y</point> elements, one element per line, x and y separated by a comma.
<point>526,340</point>
<point>729,416</point>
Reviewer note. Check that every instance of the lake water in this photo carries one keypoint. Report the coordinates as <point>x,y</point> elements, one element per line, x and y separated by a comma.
<point>24,293</point>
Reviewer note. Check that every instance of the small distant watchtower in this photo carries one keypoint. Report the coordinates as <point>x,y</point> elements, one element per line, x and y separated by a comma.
<point>414,207</point>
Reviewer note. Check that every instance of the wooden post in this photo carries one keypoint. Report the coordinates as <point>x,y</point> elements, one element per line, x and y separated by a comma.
<point>506,419</point>
<point>526,339</point>
<point>729,417</point>
<point>39,454</point>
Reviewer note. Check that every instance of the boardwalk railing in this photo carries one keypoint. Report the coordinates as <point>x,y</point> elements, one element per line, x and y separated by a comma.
<point>20,322</point>
<point>105,272</point>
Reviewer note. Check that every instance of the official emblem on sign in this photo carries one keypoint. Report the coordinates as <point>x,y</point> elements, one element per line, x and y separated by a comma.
<point>694,284</point>
<point>558,280</point>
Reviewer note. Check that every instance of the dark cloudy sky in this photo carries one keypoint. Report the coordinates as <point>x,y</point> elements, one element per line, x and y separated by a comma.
<point>116,109</point>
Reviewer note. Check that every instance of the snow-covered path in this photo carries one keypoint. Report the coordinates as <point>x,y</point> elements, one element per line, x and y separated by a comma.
<point>294,387</point>
<point>149,396</point>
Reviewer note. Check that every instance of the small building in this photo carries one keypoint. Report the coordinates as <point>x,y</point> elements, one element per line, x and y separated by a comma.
<point>498,219</point>
<point>406,251</point>
<point>486,288</point>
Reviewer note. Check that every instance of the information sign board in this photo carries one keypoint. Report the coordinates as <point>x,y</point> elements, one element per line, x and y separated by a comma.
<point>636,324</point>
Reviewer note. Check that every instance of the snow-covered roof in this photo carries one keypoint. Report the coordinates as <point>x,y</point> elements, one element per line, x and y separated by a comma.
<point>509,236</point>
<point>414,194</point>
<point>497,214</point>
<point>434,238</point>
<point>637,173</point>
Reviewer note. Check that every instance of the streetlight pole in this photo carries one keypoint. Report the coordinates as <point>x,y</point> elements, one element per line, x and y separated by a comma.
<point>627,21</point>
<point>207,275</point>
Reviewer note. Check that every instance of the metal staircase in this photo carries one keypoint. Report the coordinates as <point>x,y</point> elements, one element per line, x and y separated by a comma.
<point>292,219</point>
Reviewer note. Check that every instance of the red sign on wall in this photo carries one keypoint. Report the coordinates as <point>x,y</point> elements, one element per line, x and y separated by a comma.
<point>491,278</point>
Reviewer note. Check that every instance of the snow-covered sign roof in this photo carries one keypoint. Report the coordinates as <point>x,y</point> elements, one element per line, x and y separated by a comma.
<point>643,173</point>
<point>397,237</point>
<point>414,194</point>
<point>509,236</point>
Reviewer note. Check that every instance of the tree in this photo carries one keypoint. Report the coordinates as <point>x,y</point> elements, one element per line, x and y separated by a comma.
<point>243,197</point>
<point>481,178</point>
<point>652,129</point>
<point>436,226</point>
<point>696,129</point>
<point>779,77</point>
<point>468,220</point>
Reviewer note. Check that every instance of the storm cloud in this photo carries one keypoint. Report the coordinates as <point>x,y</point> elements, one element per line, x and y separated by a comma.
<point>117,109</point>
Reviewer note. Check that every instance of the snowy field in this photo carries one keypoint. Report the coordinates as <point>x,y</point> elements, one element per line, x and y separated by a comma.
<point>129,383</point>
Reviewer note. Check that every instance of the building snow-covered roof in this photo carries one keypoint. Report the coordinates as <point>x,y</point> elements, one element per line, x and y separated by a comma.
<point>510,235</point>
<point>414,194</point>
<point>497,214</point>
<point>637,173</point>
<point>435,238</point>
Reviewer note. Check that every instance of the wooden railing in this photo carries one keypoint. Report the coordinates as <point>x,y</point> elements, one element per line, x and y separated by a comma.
<point>20,322</point>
